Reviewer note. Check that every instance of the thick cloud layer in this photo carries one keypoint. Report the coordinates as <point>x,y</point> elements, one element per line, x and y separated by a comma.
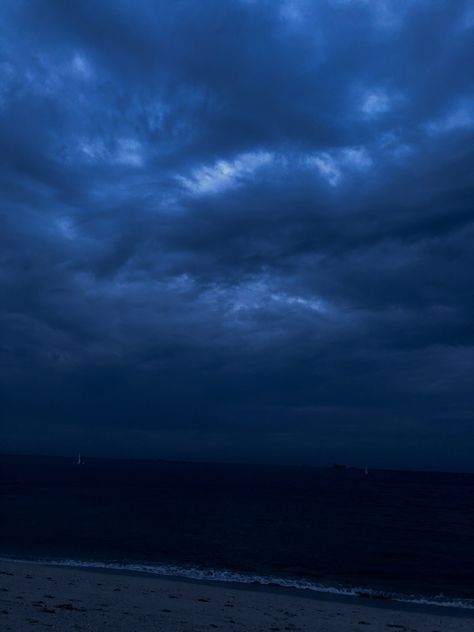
<point>238,230</point>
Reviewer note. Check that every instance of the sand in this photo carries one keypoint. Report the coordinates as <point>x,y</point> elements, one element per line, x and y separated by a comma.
<point>35,597</point>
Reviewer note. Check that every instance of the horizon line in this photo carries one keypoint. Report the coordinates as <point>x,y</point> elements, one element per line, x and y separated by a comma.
<point>185,461</point>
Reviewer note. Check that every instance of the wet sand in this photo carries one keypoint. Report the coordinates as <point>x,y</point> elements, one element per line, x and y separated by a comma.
<point>35,597</point>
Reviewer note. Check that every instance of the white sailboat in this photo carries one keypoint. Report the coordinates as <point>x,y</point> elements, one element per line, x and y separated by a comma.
<point>366,471</point>
<point>79,460</point>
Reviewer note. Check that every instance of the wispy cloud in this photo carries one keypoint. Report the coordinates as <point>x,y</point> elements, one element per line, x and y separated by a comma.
<point>225,174</point>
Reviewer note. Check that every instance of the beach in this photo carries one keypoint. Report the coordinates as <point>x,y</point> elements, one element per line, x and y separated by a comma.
<point>35,597</point>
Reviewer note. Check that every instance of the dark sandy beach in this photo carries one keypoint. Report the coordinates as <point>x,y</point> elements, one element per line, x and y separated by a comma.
<point>35,597</point>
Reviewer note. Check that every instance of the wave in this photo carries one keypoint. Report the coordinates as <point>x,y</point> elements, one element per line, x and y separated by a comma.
<point>228,576</point>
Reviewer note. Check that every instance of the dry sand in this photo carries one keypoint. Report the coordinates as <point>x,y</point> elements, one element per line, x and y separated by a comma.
<point>34,597</point>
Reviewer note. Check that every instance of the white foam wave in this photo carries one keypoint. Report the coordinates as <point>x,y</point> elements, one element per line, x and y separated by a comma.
<point>210,574</point>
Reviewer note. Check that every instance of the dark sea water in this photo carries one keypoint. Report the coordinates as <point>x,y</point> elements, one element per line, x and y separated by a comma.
<point>409,535</point>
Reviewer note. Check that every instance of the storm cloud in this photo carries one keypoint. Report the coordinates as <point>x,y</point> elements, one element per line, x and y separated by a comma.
<point>238,230</point>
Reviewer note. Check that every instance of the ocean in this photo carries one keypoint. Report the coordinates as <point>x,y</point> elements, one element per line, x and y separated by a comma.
<point>407,536</point>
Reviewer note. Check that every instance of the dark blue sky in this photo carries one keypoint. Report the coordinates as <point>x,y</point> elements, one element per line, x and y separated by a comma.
<point>238,229</point>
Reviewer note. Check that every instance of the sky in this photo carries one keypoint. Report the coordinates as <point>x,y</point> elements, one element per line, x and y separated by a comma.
<point>238,230</point>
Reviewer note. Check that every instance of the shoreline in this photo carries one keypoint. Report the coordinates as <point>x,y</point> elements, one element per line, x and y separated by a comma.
<point>51,594</point>
<point>326,592</point>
